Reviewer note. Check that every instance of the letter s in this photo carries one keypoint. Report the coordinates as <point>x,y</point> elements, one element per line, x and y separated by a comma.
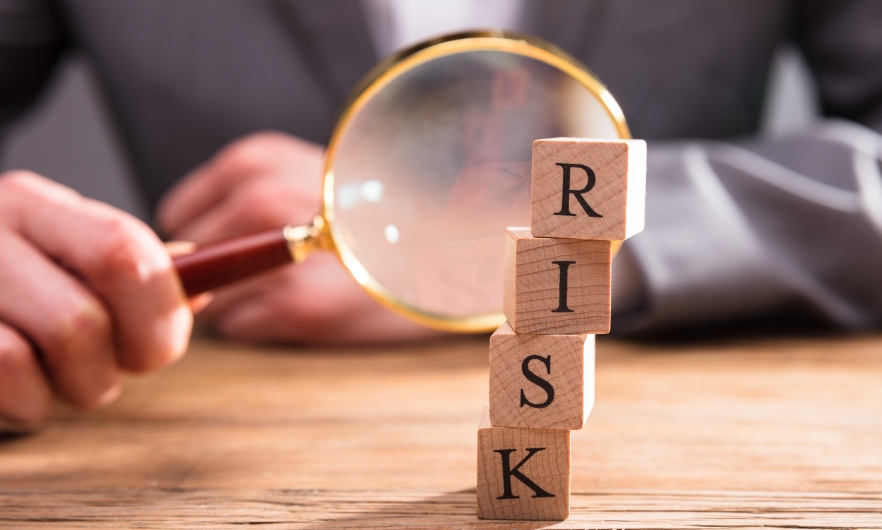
<point>538,381</point>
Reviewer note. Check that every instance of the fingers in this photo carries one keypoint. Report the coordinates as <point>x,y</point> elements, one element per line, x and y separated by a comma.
<point>321,273</point>
<point>119,257</point>
<point>25,394</point>
<point>182,248</point>
<point>66,321</point>
<point>261,155</point>
<point>316,302</point>
<point>257,205</point>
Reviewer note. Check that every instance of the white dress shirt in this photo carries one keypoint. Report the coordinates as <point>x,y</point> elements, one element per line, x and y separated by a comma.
<point>396,24</point>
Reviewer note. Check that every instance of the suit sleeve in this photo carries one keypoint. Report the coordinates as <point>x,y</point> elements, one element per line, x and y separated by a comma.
<point>780,231</point>
<point>31,41</point>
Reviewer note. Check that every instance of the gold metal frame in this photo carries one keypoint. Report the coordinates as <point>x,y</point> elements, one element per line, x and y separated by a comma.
<point>323,232</point>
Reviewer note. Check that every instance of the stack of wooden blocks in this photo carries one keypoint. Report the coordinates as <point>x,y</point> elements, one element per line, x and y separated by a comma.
<point>585,195</point>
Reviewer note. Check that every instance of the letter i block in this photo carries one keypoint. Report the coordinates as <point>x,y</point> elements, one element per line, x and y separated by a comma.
<point>523,473</point>
<point>556,286</point>
<point>588,189</point>
<point>540,381</point>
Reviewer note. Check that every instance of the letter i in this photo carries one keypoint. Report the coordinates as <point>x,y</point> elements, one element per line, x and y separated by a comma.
<point>562,293</point>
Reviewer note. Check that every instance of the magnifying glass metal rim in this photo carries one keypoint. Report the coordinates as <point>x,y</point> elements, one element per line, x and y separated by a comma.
<point>323,233</point>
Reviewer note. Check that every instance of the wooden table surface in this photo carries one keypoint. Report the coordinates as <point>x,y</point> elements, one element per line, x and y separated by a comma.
<point>776,433</point>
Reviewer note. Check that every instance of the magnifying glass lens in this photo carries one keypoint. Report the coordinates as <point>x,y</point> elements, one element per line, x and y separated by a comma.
<point>433,164</point>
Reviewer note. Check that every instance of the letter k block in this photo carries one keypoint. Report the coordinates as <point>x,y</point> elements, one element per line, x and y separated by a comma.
<point>588,189</point>
<point>523,473</point>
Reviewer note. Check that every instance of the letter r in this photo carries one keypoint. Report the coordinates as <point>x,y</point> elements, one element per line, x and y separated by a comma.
<point>566,191</point>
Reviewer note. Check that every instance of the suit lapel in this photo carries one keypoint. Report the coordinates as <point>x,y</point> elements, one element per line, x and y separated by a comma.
<point>571,24</point>
<point>334,38</point>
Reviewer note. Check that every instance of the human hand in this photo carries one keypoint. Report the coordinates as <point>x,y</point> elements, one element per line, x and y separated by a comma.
<point>86,292</point>
<point>259,182</point>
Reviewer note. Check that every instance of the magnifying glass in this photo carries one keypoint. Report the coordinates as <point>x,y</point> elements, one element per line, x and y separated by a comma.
<point>428,164</point>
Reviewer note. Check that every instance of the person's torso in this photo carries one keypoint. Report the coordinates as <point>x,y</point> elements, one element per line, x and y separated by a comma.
<point>185,78</point>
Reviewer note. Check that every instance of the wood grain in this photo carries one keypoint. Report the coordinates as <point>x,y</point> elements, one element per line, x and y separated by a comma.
<point>762,433</point>
<point>613,175</point>
<point>533,268</point>
<point>565,366</point>
<point>533,483</point>
<point>195,508</point>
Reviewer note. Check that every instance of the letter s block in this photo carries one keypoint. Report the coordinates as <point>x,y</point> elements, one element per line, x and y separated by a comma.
<point>556,286</point>
<point>540,381</point>
<point>523,473</point>
<point>588,189</point>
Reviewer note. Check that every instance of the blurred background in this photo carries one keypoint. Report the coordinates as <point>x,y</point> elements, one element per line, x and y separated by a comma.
<point>69,136</point>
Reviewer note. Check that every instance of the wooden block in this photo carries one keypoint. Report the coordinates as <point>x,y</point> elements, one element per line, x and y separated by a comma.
<point>523,473</point>
<point>540,381</point>
<point>556,286</point>
<point>588,189</point>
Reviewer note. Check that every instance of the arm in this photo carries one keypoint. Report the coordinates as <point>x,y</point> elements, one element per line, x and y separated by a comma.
<point>783,230</point>
<point>786,230</point>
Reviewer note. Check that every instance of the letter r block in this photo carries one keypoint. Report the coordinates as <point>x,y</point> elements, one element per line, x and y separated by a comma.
<point>556,286</point>
<point>540,381</point>
<point>523,473</point>
<point>588,189</point>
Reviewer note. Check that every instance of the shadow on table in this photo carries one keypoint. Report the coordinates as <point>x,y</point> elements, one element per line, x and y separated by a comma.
<point>417,510</point>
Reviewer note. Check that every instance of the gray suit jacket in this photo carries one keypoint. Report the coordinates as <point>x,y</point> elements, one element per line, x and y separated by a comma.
<point>737,228</point>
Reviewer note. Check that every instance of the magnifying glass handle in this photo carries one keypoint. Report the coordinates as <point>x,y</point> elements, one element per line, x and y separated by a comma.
<point>222,263</point>
<point>225,262</point>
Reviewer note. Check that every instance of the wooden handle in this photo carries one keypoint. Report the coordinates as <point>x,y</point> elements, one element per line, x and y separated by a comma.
<point>229,261</point>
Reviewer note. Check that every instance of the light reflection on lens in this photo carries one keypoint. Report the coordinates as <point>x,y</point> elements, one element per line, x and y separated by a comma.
<point>372,190</point>
<point>392,234</point>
